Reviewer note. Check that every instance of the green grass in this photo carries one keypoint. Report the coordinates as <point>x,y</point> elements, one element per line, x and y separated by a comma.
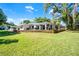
<point>39,44</point>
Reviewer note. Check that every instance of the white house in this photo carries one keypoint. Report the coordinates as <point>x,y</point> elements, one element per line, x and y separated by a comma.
<point>3,27</point>
<point>36,26</point>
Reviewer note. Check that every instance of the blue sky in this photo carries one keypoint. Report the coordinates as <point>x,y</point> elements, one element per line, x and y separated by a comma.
<point>17,12</point>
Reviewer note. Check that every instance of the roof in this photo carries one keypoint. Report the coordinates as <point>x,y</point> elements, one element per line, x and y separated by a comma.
<point>43,23</point>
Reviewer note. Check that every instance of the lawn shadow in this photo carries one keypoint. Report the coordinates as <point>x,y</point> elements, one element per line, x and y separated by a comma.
<point>8,41</point>
<point>7,33</point>
<point>74,31</point>
<point>57,32</point>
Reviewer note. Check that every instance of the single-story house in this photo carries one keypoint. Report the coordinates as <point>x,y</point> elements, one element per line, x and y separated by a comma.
<point>3,27</point>
<point>36,26</point>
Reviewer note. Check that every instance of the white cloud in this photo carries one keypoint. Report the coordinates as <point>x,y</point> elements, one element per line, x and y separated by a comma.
<point>10,20</point>
<point>18,20</point>
<point>29,11</point>
<point>29,7</point>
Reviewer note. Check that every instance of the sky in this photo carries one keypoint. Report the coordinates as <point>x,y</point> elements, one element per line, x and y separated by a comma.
<point>17,12</point>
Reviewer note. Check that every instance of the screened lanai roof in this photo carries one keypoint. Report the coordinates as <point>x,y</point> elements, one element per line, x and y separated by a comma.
<point>43,23</point>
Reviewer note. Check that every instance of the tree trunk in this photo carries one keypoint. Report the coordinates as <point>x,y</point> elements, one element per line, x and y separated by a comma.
<point>67,13</point>
<point>68,19</point>
<point>74,11</point>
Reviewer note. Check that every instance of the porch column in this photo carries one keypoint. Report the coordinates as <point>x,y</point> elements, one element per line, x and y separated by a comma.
<point>30,27</point>
<point>45,26</point>
<point>39,27</point>
<point>34,27</point>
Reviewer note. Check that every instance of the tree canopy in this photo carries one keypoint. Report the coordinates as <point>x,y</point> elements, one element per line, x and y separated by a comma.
<point>10,24</point>
<point>25,21</point>
<point>3,17</point>
<point>68,12</point>
<point>41,19</point>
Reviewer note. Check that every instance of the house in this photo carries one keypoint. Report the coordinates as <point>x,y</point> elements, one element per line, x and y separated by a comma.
<point>36,26</point>
<point>3,27</point>
<point>40,27</point>
<point>6,27</point>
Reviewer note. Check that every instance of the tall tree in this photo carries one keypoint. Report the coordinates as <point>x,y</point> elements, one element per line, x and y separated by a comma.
<point>3,17</point>
<point>66,10</point>
<point>55,11</point>
<point>74,15</point>
<point>10,24</point>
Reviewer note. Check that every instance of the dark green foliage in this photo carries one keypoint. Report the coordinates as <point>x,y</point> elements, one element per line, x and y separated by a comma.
<point>68,11</point>
<point>8,41</point>
<point>40,19</point>
<point>3,17</point>
<point>26,21</point>
<point>10,24</point>
<point>7,33</point>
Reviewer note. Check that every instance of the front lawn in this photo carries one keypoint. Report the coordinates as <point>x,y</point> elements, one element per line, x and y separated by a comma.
<point>39,44</point>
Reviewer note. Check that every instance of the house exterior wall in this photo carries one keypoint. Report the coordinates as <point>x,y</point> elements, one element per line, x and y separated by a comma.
<point>3,27</point>
<point>36,26</point>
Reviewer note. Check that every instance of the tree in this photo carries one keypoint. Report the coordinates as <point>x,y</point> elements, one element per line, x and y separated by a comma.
<point>26,21</point>
<point>40,19</point>
<point>66,10</point>
<point>10,24</point>
<point>54,13</point>
<point>3,17</point>
<point>74,15</point>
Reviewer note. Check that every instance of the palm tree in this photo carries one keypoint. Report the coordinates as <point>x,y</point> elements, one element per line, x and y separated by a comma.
<point>56,10</point>
<point>65,10</point>
<point>74,15</point>
<point>65,13</point>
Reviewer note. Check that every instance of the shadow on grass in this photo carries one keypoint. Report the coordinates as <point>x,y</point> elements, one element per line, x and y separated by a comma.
<point>8,41</point>
<point>59,31</point>
<point>73,31</point>
<point>7,33</point>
